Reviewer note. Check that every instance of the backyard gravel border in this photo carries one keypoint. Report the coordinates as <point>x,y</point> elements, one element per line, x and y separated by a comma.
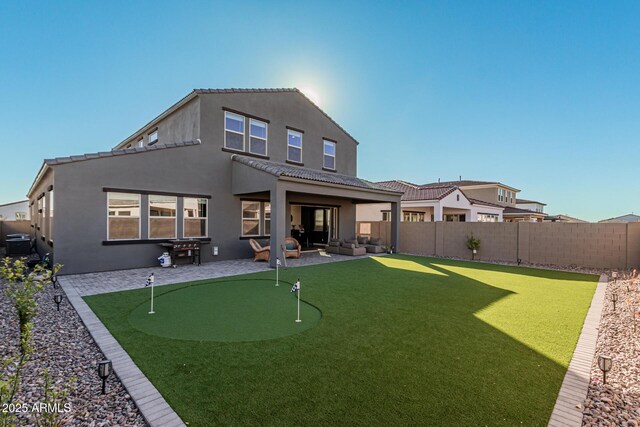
<point>153,407</point>
<point>568,408</point>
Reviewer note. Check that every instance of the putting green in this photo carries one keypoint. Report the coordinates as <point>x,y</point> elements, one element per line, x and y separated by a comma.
<point>227,311</point>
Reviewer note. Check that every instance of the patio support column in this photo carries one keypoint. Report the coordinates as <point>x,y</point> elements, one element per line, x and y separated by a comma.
<point>395,226</point>
<point>278,222</point>
<point>437,212</point>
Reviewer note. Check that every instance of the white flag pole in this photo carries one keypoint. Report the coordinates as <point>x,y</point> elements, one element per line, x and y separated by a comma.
<point>277,270</point>
<point>298,320</point>
<point>152,280</point>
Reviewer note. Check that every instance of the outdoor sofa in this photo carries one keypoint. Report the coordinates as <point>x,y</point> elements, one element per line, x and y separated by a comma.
<point>346,247</point>
<point>373,245</point>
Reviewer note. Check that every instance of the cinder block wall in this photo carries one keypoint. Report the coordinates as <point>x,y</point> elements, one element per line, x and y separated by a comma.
<point>562,244</point>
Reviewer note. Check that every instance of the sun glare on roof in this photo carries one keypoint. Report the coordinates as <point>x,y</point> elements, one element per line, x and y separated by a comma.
<point>311,94</point>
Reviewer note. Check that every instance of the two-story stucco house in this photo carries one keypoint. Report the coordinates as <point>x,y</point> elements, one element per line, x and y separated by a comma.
<point>219,166</point>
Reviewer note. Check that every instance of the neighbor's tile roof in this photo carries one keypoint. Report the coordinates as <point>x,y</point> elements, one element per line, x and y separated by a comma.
<point>530,201</point>
<point>121,152</point>
<point>466,183</point>
<point>482,202</point>
<point>281,169</point>
<point>518,211</point>
<point>418,192</point>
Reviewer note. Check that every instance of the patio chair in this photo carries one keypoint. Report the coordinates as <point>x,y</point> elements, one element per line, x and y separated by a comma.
<point>260,253</point>
<point>352,248</point>
<point>291,248</point>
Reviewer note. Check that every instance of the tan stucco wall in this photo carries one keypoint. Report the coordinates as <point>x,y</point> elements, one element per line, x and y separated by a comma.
<point>562,244</point>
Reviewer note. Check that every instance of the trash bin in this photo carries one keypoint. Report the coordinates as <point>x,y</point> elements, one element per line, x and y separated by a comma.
<point>165,260</point>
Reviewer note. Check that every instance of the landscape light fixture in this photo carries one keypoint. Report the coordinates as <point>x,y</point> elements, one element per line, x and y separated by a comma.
<point>614,299</point>
<point>104,370</point>
<point>519,261</point>
<point>54,280</point>
<point>614,276</point>
<point>57,298</point>
<point>604,363</point>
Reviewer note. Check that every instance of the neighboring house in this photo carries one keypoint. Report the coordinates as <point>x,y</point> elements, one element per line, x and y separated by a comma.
<point>15,211</point>
<point>623,219</point>
<point>220,166</point>
<point>563,218</point>
<point>530,205</point>
<point>429,202</point>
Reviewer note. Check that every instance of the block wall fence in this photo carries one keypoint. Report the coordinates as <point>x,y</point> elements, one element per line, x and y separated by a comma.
<point>562,244</point>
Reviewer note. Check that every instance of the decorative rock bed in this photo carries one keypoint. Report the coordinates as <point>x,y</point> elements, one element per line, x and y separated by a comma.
<point>617,403</point>
<point>63,345</point>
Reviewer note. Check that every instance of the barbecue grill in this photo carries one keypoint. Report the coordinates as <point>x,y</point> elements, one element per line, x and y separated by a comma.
<point>181,249</point>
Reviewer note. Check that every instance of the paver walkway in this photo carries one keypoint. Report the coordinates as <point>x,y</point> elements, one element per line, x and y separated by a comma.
<point>153,407</point>
<point>123,280</point>
<point>573,392</point>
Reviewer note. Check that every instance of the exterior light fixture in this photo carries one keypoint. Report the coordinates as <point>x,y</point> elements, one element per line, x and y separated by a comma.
<point>614,276</point>
<point>614,299</point>
<point>54,280</point>
<point>604,363</point>
<point>104,370</point>
<point>57,298</point>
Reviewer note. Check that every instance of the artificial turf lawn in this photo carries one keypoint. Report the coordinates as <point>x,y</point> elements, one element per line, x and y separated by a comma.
<point>402,340</point>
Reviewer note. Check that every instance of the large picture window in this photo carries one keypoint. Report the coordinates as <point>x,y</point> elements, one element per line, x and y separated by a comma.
<point>329,161</point>
<point>234,131</point>
<point>124,216</point>
<point>250,218</point>
<point>162,217</point>
<point>294,146</point>
<point>195,217</point>
<point>257,137</point>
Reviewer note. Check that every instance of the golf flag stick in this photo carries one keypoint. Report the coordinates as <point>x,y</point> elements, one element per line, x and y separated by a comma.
<point>277,269</point>
<point>150,281</point>
<point>298,320</point>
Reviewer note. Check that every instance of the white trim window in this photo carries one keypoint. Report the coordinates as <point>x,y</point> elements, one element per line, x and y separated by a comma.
<point>233,131</point>
<point>123,222</point>
<point>329,159</point>
<point>294,146</point>
<point>251,218</point>
<point>162,216</point>
<point>140,142</point>
<point>257,137</point>
<point>195,217</point>
<point>153,137</point>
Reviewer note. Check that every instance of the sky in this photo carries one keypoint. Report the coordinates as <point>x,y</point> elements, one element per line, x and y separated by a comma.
<point>543,96</point>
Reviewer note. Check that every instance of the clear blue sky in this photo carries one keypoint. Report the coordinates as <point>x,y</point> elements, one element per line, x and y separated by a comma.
<point>543,96</point>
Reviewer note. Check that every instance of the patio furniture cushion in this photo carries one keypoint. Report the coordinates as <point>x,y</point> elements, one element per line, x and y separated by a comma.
<point>291,246</point>
<point>334,242</point>
<point>362,240</point>
<point>375,241</point>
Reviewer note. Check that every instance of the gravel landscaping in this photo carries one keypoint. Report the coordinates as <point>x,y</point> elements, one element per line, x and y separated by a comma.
<point>617,403</point>
<point>63,345</point>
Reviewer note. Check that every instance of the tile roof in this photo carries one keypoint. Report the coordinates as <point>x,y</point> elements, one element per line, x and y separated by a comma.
<point>466,183</point>
<point>482,202</point>
<point>281,169</point>
<point>121,152</point>
<point>418,192</point>
<point>518,211</point>
<point>530,201</point>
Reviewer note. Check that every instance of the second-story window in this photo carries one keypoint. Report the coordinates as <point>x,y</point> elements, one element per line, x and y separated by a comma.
<point>329,161</point>
<point>153,137</point>
<point>141,142</point>
<point>234,131</point>
<point>257,137</point>
<point>294,146</point>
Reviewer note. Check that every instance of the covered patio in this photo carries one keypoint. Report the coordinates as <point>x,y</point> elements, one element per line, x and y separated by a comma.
<point>289,189</point>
